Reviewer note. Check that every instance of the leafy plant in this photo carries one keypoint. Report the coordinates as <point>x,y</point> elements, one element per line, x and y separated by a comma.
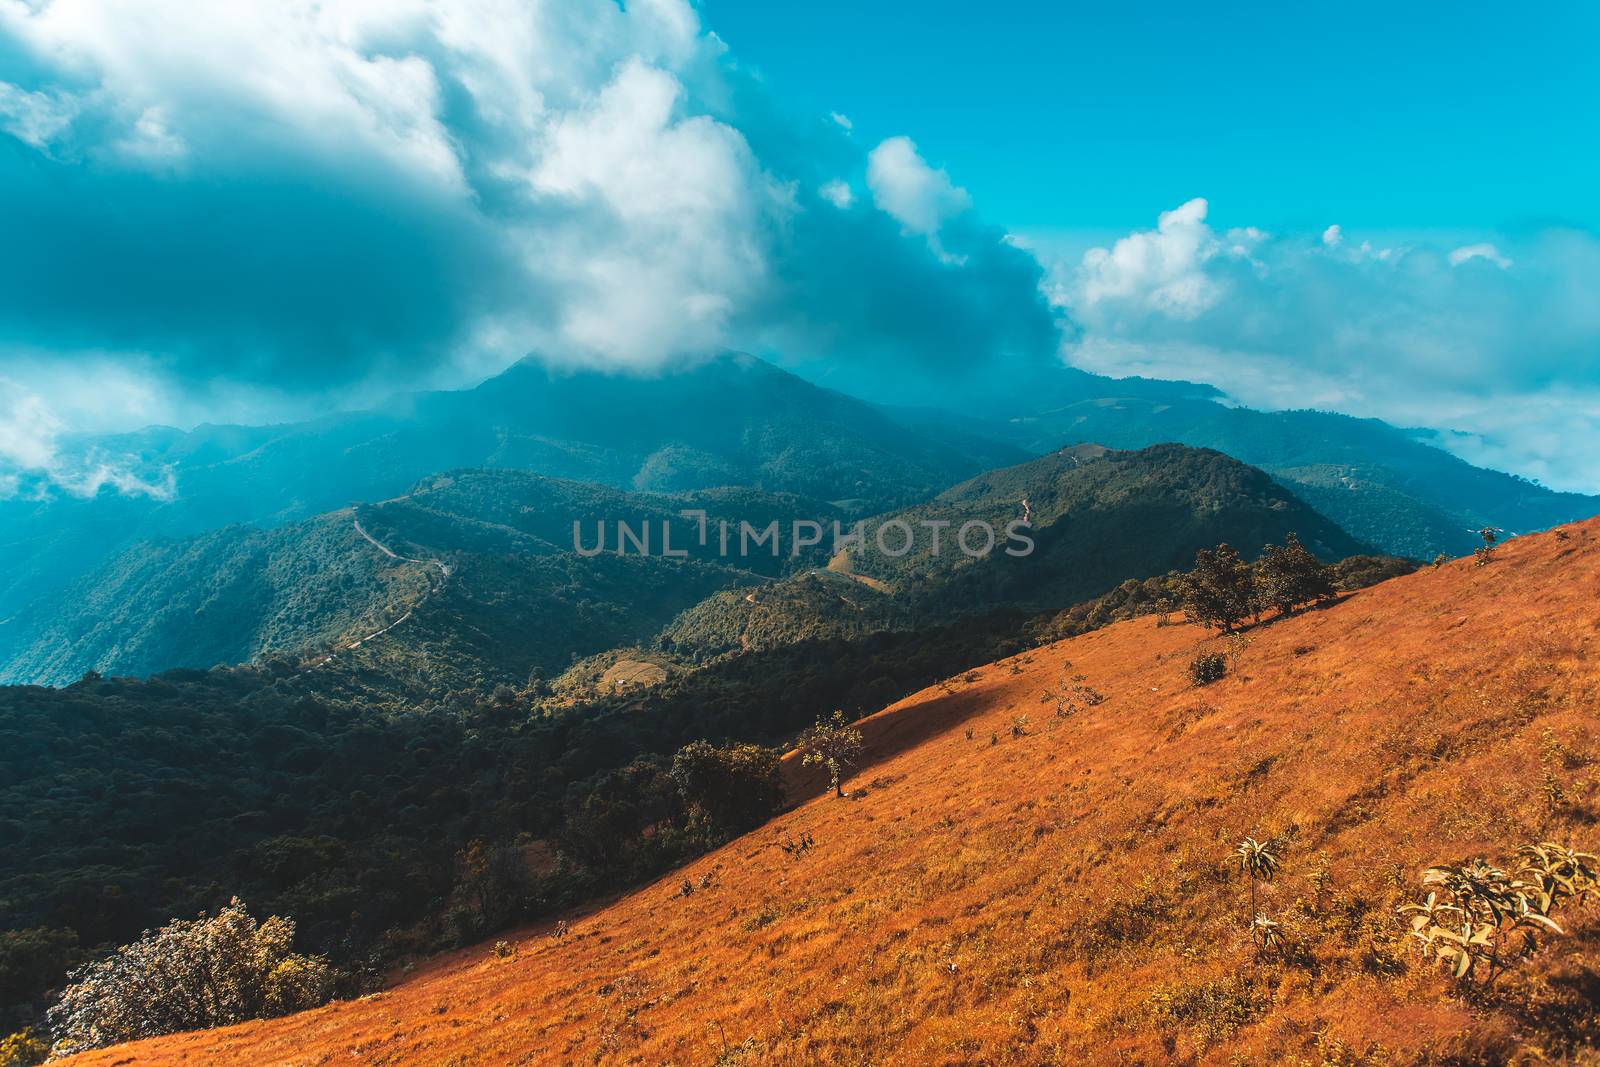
<point>1259,860</point>
<point>1267,933</point>
<point>1484,553</point>
<point>1479,919</point>
<point>22,1049</point>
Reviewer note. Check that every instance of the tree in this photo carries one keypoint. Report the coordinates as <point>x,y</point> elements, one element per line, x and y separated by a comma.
<point>833,743</point>
<point>1290,576</point>
<point>727,790</point>
<point>1220,591</point>
<point>491,888</point>
<point>189,975</point>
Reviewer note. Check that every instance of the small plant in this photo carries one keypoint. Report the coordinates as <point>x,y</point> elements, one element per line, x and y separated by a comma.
<point>1072,693</point>
<point>1208,667</point>
<point>1237,643</point>
<point>1267,934</point>
<point>560,930</point>
<point>1440,560</point>
<point>969,733</point>
<point>1479,919</point>
<point>1019,726</point>
<point>832,743</point>
<point>1260,860</point>
<point>1484,554</point>
<point>504,950</point>
<point>797,847</point>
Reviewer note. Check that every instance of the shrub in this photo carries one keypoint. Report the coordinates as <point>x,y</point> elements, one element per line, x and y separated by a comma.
<point>1479,919</point>
<point>1220,591</point>
<point>1208,667</point>
<point>22,1049</point>
<point>1290,576</point>
<point>189,975</point>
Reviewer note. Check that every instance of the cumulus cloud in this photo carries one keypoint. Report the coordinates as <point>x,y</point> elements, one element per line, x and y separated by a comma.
<point>318,200</point>
<point>904,185</point>
<point>1498,342</point>
<point>838,193</point>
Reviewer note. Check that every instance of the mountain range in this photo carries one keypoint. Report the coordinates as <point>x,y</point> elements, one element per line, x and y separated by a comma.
<point>250,555</point>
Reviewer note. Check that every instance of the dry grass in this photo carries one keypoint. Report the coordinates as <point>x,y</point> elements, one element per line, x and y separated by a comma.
<point>1065,896</point>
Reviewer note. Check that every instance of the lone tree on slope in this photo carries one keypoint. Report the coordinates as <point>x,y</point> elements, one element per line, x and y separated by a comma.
<point>835,744</point>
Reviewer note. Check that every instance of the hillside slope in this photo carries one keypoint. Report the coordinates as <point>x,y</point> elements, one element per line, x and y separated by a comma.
<point>1065,895</point>
<point>517,597</point>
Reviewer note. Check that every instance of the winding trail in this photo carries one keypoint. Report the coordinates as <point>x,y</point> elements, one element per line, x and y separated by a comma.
<point>444,568</point>
<point>444,575</point>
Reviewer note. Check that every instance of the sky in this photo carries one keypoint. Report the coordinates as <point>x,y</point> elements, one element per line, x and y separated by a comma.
<point>270,208</point>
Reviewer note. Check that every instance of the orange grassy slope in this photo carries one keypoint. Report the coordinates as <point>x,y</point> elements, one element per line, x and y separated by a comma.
<point>1065,896</point>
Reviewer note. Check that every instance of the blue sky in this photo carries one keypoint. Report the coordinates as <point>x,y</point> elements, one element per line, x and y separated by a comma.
<point>270,208</point>
<point>1077,116</point>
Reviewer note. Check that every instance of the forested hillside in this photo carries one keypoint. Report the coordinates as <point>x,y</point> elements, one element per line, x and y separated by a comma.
<point>1386,486</point>
<point>1097,518</point>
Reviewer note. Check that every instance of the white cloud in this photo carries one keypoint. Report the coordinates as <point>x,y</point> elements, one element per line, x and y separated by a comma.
<point>681,206</point>
<point>1163,268</point>
<point>1483,251</point>
<point>837,193</point>
<point>32,455</point>
<point>842,120</point>
<point>475,180</point>
<point>34,118</point>
<point>916,195</point>
<point>1396,332</point>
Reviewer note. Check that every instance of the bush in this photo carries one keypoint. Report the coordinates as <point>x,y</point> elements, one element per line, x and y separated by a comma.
<point>1207,667</point>
<point>728,790</point>
<point>189,975</point>
<point>22,1049</point>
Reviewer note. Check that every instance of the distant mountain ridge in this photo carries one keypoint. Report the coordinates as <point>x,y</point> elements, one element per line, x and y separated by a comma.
<point>729,421</point>
<point>498,592</point>
<point>1380,483</point>
<point>733,420</point>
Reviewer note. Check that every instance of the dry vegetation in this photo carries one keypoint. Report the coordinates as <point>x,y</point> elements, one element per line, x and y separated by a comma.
<point>1069,892</point>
